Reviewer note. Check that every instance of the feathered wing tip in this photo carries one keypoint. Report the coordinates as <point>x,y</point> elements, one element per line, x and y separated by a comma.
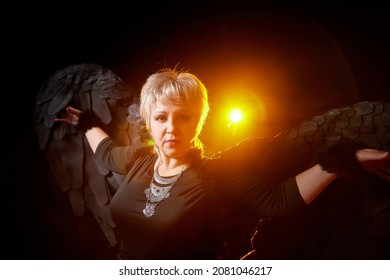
<point>134,116</point>
<point>137,124</point>
<point>87,87</point>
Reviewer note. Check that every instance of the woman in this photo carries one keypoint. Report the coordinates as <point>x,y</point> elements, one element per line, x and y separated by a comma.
<point>176,204</point>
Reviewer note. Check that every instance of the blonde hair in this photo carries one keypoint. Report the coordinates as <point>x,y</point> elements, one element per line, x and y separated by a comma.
<point>179,87</point>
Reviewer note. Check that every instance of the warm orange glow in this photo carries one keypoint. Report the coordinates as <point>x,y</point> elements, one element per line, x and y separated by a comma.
<point>240,108</point>
<point>235,115</point>
<point>239,112</point>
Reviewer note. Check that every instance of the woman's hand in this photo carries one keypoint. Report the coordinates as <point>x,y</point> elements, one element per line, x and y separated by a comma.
<point>375,161</point>
<point>82,121</point>
<point>70,115</point>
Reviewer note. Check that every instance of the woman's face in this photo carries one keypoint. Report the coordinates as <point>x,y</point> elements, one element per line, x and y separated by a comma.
<point>173,127</point>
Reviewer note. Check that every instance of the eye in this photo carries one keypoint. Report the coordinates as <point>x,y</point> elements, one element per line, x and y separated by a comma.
<point>184,117</point>
<point>160,118</point>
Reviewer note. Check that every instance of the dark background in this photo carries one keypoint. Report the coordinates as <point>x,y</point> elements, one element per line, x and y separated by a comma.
<point>298,59</point>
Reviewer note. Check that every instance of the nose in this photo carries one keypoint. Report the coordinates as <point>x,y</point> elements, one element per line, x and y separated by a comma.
<point>171,127</point>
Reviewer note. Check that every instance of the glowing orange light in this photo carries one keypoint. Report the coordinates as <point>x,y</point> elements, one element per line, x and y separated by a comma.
<point>235,115</point>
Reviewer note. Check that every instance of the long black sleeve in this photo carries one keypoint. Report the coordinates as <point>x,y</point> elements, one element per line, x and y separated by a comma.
<point>116,158</point>
<point>252,174</point>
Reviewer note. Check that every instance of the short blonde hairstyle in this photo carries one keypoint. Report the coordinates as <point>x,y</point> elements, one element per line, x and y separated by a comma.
<point>179,87</point>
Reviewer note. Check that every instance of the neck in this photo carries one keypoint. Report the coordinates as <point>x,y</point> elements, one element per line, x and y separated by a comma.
<point>171,166</point>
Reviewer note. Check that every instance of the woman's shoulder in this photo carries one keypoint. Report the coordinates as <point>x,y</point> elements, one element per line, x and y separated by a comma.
<point>250,156</point>
<point>145,160</point>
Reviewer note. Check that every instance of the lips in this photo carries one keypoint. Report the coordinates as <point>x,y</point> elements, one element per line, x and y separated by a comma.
<point>171,141</point>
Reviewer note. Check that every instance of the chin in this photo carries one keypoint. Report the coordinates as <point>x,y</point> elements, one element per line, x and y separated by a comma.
<point>175,153</point>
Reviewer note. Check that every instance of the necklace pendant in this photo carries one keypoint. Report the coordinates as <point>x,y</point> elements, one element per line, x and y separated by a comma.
<point>155,194</point>
<point>149,209</point>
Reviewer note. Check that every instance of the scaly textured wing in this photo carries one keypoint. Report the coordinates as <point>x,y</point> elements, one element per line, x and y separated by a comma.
<point>88,185</point>
<point>364,125</point>
<point>345,221</point>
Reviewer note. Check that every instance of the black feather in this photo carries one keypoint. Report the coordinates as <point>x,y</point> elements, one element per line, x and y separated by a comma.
<point>92,88</point>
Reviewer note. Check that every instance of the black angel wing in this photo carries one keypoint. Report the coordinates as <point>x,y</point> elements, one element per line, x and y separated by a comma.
<point>351,219</point>
<point>361,125</point>
<point>88,185</point>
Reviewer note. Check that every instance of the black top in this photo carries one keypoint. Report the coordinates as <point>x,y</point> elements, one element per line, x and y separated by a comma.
<point>187,225</point>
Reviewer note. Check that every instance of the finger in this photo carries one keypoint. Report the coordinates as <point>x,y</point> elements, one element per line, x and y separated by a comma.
<point>371,154</point>
<point>72,110</point>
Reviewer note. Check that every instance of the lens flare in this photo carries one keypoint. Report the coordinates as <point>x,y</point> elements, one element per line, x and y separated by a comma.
<point>235,115</point>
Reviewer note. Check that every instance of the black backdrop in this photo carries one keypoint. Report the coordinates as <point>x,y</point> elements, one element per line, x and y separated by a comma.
<point>208,38</point>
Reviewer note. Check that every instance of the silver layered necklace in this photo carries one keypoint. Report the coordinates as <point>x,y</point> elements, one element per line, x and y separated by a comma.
<point>158,190</point>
